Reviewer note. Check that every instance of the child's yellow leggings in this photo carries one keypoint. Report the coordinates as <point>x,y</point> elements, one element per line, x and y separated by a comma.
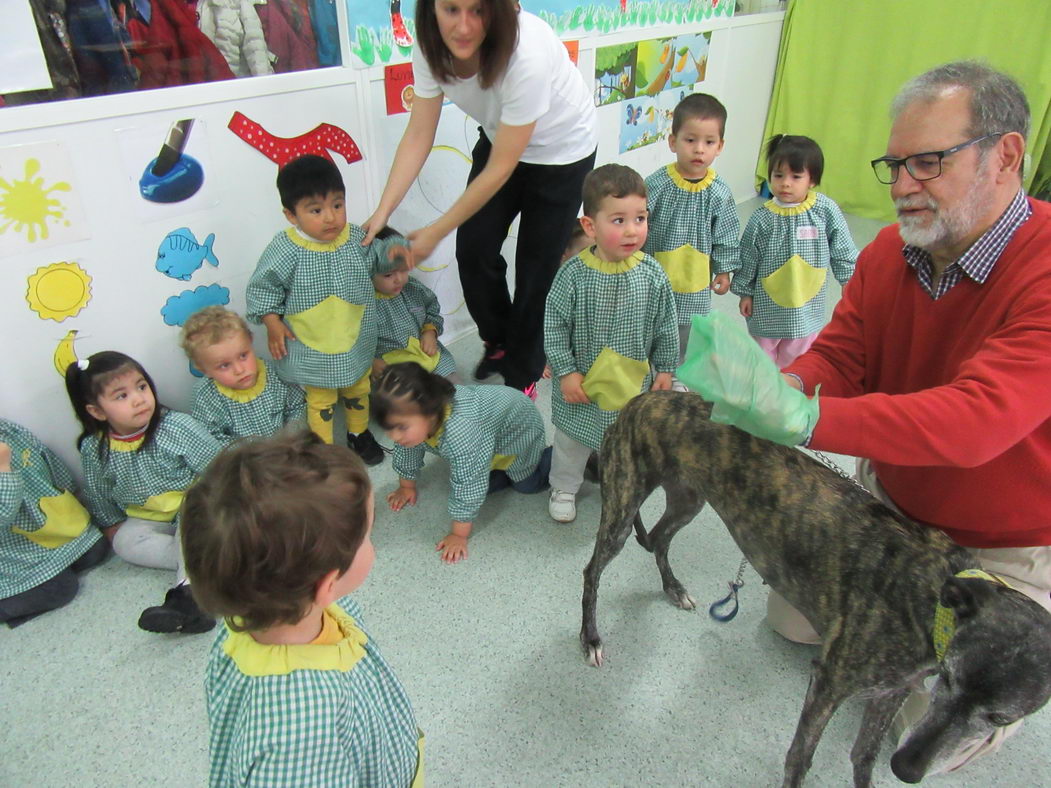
<point>321,407</point>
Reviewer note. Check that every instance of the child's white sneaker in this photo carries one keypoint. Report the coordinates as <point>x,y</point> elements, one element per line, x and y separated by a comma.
<point>562,506</point>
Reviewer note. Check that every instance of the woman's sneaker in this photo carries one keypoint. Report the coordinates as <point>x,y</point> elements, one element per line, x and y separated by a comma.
<point>562,506</point>
<point>179,613</point>
<point>491,363</point>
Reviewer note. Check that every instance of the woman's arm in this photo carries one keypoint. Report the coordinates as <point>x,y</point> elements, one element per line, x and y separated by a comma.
<point>412,152</point>
<point>508,147</point>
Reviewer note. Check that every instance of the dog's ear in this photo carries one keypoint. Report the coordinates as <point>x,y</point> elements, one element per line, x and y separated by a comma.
<point>958,595</point>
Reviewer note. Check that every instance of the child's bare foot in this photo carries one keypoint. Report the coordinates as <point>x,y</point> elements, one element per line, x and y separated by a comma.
<point>453,548</point>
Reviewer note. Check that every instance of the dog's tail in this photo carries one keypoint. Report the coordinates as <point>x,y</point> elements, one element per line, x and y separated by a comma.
<point>641,536</point>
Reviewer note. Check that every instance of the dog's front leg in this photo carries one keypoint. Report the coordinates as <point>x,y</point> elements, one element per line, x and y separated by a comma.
<point>823,697</point>
<point>874,724</point>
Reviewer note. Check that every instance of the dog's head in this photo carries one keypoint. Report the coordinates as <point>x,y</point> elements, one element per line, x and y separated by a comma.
<point>995,671</point>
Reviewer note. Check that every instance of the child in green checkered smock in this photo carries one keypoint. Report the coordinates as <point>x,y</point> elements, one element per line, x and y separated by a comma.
<point>297,690</point>
<point>46,536</point>
<point>608,326</point>
<point>312,289</point>
<point>789,246</point>
<point>240,395</point>
<point>693,224</point>
<point>409,321</point>
<point>138,459</point>
<point>491,436</point>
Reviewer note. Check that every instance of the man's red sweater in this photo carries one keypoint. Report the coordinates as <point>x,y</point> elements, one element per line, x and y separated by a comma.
<point>951,399</point>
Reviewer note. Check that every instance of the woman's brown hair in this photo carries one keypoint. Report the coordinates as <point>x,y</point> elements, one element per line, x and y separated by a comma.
<point>266,521</point>
<point>501,38</point>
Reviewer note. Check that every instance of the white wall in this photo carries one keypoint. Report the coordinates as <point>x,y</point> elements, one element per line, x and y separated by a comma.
<point>244,211</point>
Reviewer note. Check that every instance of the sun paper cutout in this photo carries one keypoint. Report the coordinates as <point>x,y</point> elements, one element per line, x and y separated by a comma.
<point>58,291</point>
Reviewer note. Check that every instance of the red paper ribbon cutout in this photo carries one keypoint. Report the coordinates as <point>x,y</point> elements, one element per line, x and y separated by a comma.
<point>282,150</point>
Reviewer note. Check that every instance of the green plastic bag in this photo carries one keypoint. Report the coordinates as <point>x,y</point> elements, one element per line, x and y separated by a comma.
<point>728,368</point>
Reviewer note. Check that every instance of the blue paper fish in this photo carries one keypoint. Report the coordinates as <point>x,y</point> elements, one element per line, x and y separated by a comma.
<point>180,254</point>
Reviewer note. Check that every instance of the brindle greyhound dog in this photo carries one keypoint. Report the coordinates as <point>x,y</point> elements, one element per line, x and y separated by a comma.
<point>866,578</point>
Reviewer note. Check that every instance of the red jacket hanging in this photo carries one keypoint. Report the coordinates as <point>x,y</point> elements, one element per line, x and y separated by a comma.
<point>170,50</point>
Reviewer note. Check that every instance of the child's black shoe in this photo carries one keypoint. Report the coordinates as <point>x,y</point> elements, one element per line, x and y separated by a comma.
<point>179,613</point>
<point>367,448</point>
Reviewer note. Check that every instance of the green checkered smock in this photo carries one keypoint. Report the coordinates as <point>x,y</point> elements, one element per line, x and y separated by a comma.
<point>594,306</point>
<point>403,316</point>
<point>786,253</point>
<point>324,293</point>
<point>148,476</point>
<point>693,234</point>
<point>309,716</point>
<point>43,527</point>
<point>488,427</point>
<point>262,410</point>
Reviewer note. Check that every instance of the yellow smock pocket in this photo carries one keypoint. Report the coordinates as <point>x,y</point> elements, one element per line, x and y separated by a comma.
<point>331,326</point>
<point>159,508</point>
<point>688,270</point>
<point>794,283</point>
<point>414,353</point>
<point>64,520</point>
<point>614,379</point>
<point>501,462</point>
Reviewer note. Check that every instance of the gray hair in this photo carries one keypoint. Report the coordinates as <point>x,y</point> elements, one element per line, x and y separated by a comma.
<point>997,101</point>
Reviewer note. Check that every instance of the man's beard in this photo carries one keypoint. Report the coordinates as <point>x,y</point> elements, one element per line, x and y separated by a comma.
<point>947,226</point>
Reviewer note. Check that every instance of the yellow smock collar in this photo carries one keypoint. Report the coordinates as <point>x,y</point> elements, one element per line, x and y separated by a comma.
<point>589,258</point>
<point>437,436</point>
<point>795,210</point>
<point>246,395</point>
<point>258,659</point>
<point>690,186</point>
<point>314,246</point>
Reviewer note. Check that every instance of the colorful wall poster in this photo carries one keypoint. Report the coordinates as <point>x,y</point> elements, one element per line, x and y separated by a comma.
<point>615,73</point>
<point>39,198</point>
<point>382,31</point>
<point>645,68</point>
<point>647,119</point>
<point>397,87</point>
<point>167,165</point>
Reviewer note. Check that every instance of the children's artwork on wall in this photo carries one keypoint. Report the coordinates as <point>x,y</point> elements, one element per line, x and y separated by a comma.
<point>573,48</point>
<point>65,354</point>
<point>166,165</point>
<point>180,254</point>
<point>648,119</point>
<point>281,150</point>
<point>39,198</point>
<point>397,88</point>
<point>178,308</point>
<point>615,73</point>
<point>58,291</point>
<point>669,63</point>
<point>381,28</point>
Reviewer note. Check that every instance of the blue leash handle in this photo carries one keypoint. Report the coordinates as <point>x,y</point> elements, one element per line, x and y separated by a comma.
<point>715,609</point>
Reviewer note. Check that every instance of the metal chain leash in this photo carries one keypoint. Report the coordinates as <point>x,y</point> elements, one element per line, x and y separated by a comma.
<point>716,609</point>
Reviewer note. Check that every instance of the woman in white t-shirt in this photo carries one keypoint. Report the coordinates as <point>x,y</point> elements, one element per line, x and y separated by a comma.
<point>508,71</point>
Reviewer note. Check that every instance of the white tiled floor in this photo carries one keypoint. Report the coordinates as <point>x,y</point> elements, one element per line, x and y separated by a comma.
<point>488,651</point>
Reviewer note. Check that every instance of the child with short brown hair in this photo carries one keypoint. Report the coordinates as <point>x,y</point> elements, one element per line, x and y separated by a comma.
<point>276,532</point>
<point>241,395</point>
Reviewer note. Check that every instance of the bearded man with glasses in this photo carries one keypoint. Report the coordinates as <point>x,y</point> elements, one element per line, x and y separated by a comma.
<point>936,365</point>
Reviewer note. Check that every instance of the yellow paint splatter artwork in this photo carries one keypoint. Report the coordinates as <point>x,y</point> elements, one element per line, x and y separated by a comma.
<point>27,205</point>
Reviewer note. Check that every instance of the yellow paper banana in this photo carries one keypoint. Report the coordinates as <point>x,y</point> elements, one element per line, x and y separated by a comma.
<point>65,353</point>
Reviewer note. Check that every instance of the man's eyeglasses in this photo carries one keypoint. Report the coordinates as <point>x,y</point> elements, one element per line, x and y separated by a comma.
<point>921,166</point>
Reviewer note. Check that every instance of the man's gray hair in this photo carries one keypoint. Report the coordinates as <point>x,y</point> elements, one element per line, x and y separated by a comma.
<point>997,101</point>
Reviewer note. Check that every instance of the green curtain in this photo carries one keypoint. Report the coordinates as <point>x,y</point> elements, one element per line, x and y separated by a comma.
<point>842,61</point>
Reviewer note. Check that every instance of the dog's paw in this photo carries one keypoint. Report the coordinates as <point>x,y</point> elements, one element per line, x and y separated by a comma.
<point>593,655</point>
<point>681,598</point>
